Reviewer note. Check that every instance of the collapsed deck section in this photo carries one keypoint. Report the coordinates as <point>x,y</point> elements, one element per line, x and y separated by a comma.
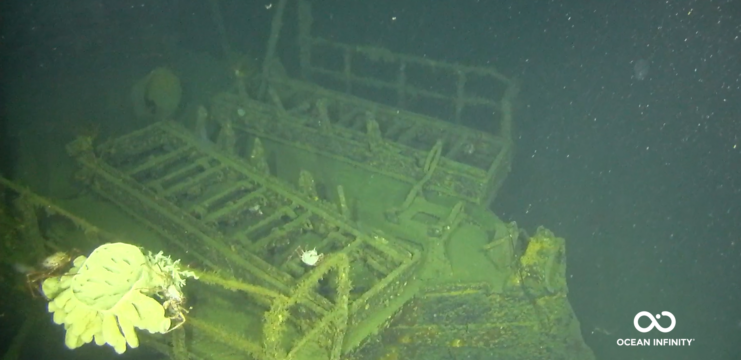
<point>232,219</point>
<point>473,321</point>
<point>529,317</point>
<point>380,111</point>
<point>382,140</point>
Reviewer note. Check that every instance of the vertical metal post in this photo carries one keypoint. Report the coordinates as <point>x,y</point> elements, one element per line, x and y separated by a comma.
<point>272,44</point>
<point>305,21</point>
<point>219,21</point>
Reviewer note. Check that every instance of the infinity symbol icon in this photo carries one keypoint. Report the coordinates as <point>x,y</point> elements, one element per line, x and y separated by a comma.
<point>654,322</point>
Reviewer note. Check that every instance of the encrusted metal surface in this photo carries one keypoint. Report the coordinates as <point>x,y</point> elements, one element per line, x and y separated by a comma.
<point>473,321</point>
<point>234,220</point>
<point>385,140</point>
<point>529,318</point>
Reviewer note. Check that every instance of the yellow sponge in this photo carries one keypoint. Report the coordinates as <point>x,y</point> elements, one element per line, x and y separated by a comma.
<point>105,296</point>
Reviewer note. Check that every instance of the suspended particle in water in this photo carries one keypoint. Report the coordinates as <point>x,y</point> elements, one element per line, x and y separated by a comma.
<point>640,69</point>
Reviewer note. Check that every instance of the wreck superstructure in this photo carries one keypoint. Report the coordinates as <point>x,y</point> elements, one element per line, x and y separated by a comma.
<point>368,157</point>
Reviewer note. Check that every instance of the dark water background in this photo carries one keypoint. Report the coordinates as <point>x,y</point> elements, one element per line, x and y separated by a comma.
<point>641,177</point>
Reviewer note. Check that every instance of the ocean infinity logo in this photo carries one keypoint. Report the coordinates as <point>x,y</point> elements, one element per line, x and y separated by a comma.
<point>654,322</point>
<point>655,325</point>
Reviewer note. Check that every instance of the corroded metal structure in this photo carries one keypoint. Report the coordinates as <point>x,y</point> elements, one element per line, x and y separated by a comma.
<point>528,318</point>
<point>387,113</point>
<point>234,219</point>
<point>323,315</point>
<point>33,226</point>
<point>363,167</point>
